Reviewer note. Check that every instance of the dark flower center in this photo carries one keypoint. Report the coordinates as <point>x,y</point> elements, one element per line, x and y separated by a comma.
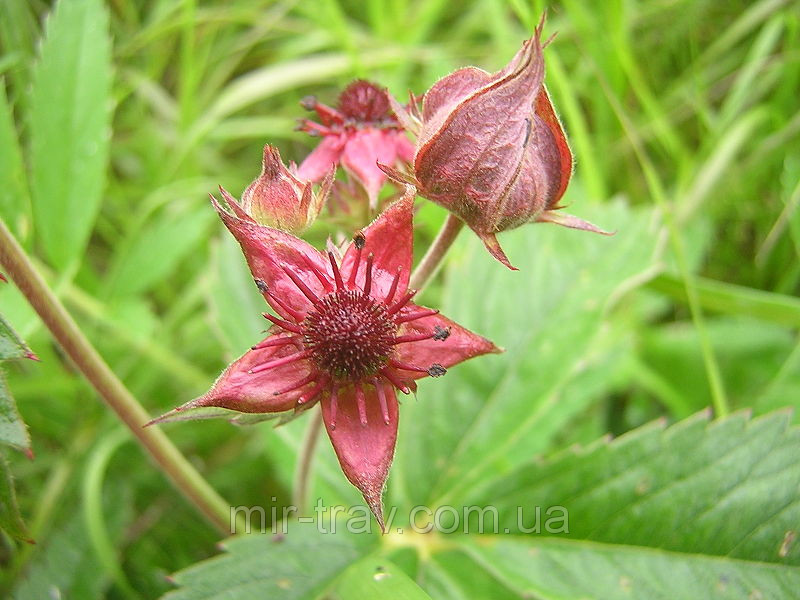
<point>364,102</point>
<point>349,334</point>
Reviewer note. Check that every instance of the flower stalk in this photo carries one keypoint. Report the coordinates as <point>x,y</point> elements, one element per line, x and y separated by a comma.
<point>436,251</point>
<point>113,392</point>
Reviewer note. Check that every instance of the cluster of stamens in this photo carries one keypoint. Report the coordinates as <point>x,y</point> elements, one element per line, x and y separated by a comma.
<point>360,104</point>
<point>348,336</point>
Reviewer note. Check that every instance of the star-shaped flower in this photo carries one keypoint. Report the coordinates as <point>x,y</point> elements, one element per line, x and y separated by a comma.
<point>358,133</point>
<point>345,335</point>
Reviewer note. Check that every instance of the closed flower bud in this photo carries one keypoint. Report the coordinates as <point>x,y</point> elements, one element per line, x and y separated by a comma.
<point>490,148</point>
<point>277,198</point>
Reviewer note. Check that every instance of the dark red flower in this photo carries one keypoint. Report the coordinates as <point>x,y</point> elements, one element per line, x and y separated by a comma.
<point>346,336</point>
<point>490,148</point>
<point>358,133</point>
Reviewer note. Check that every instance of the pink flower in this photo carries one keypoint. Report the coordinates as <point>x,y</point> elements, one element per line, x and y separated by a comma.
<point>490,148</point>
<point>358,133</point>
<point>346,336</point>
<point>279,199</point>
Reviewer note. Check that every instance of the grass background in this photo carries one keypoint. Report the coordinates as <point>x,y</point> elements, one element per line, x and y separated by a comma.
<point>690,106</point>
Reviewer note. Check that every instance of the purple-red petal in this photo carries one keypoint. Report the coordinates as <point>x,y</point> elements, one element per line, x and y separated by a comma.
<point>326,155</point>
<point>460,345</point>
<point>365,452</point>
<point>389,238</point>
<point>270,252</point>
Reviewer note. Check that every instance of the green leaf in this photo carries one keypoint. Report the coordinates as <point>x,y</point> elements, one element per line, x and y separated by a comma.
<point>494,412</point>
<point>303,563</point>
<point>14,195</point>
<point>378,579</point>
<point>726,488</point>
<point>13,430</point>
<point>10,518</point>
<point>11,346</point>
<point>70,127</point>
<point>581,570</point>
<point>170,237</point>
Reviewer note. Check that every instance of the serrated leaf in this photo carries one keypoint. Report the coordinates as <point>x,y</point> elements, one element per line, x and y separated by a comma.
<point>70,125</point>
<point>13,431</point>
<point>726,488</point>
<point>14,198</point>
<point>10,518</point>
<point>494,412</point>
<point>11,345</point>
<point>581,570</point>
<point>301,564</point>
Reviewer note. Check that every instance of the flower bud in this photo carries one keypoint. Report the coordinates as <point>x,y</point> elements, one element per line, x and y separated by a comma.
<point>491,150</point>
<point>279,199</point>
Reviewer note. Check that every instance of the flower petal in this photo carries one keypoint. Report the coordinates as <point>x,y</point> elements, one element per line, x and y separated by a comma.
<point>326,155</point>
<point>362,151</point>
<point>365,452</point>
<point>449,90</point>
<point>238,389</point>
<point>458,346</point>
<point>544,110</point>
<point>390,239</point>
<point>270,252</point>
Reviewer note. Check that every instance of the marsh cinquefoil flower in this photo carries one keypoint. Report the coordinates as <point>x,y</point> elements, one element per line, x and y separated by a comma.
<point>358,133</point>
<point>346,336</point>
<point>491,149</point>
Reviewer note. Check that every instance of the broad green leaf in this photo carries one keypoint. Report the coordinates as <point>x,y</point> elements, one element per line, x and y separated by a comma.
<point>70,127</point>
<point>303,563</point>
<point>378,579</point>
<point>13,431</point>
<point>580,570</point>
<point>725,488</point>
<point>11,346</point>
<point>14,196</point>
<point>157,249</point>
<point>494,412</point>
<point>10,518</point>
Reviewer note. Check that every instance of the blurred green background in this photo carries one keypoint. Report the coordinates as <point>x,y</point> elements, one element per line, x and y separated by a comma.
<point>683,117</point>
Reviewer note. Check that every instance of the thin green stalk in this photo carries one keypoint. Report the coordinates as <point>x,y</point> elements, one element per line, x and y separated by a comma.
<point>67,333</point>
<point>433,257</point>
<point>305,463</point>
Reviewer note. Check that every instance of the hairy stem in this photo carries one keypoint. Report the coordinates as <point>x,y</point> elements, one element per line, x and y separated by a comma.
<point>305,463</point>
<point>433,257</point>
<point>86,358</point>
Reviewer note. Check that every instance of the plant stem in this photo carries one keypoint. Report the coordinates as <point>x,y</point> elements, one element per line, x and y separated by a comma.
<point>433,257</point>
<point>86,358</point>
<point>305,462</point>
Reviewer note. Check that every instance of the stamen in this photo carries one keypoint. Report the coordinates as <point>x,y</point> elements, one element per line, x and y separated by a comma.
<point>323,279</point>
<point>436,370</point>
<point>351,281</point>
<point>273,341</point>
<point>334,404</point>
<point>440,333</point>
<point>279,361</point>
<point>307,292</point>
<point>392,378</point>
<point>336,274</point>
<point>313,393</point>
<point>282,323</point>
<point>296,315</point>
<point>393,287</point>
<point>428,312</point>
<point>382,400</point>
<point>296,385</point>
<point>411,337</point>
<point>361,402</point>
<point>368,275</point>
<point>406,367</point>
<point>402,302</point>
